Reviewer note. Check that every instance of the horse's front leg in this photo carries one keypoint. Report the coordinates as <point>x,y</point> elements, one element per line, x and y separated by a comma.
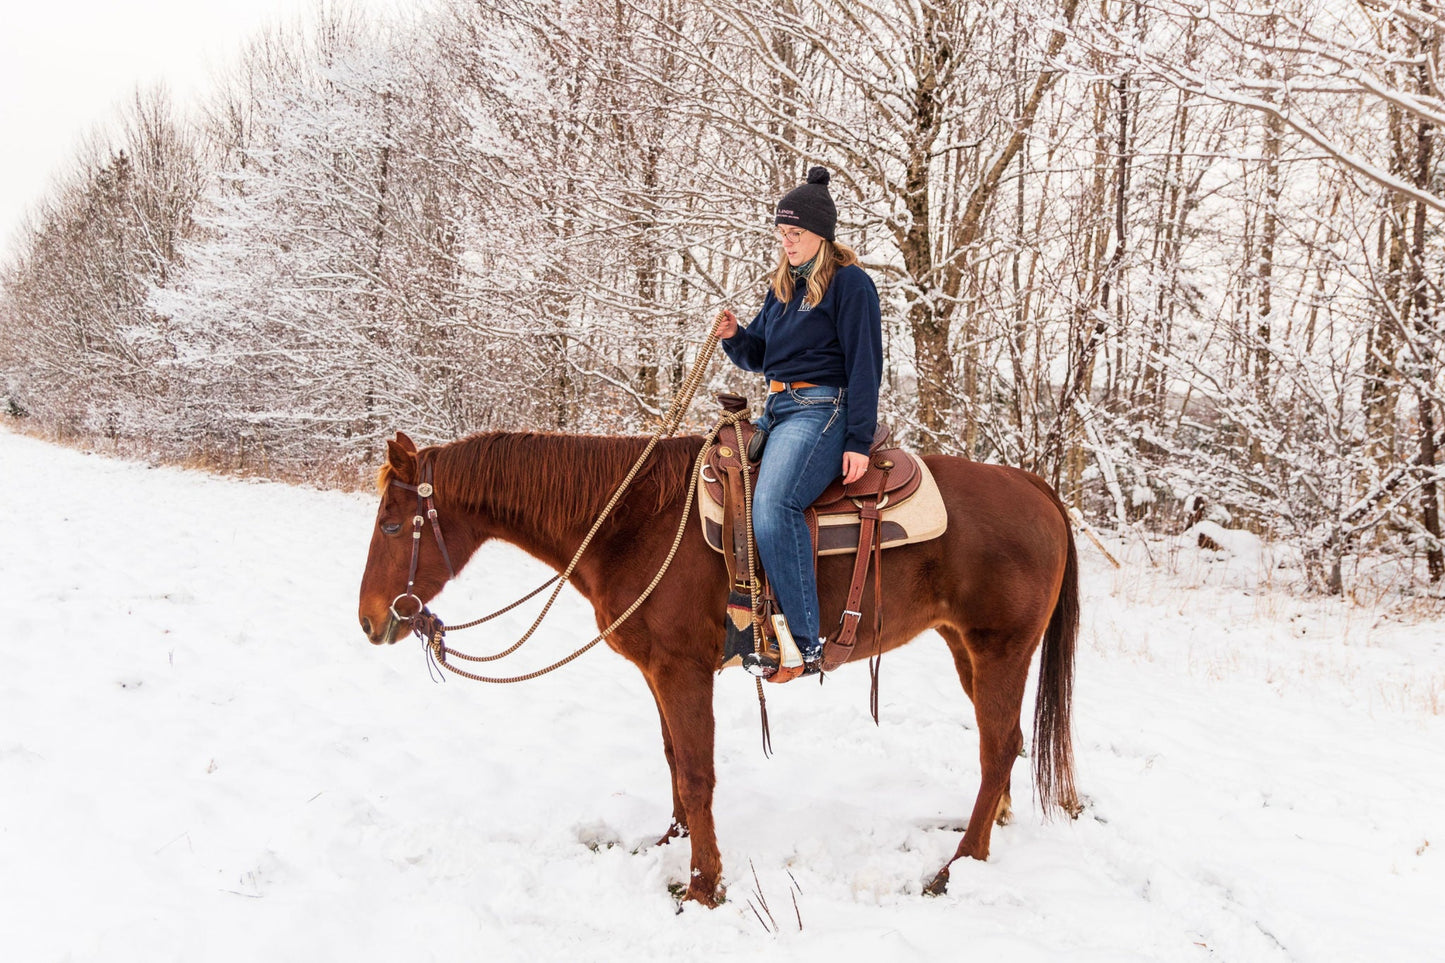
<point>683,688</point>
<point>678,827</point>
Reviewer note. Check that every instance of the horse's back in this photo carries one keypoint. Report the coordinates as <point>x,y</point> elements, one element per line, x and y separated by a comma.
<point>995,493</point>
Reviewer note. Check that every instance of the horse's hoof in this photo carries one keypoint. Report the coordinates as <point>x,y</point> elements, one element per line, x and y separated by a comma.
<point>939,886</point>
<point>709,897</point>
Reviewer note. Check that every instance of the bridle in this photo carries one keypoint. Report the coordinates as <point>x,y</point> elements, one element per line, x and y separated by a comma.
<point>430,629</point>
<point>426,511</point>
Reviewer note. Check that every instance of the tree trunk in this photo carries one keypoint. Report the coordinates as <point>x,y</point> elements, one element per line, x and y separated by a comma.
<point>1427,361</point>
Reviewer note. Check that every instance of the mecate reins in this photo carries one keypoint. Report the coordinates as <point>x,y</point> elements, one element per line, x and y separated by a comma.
<point>426,626</point>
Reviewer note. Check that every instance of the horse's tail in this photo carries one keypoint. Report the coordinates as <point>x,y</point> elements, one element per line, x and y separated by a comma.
<point>1053,708</point>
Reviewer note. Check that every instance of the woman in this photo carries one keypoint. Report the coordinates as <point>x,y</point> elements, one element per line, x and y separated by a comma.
<point>819,341</point>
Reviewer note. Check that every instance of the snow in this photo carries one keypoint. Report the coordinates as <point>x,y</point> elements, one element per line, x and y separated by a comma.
<point>1246,550</point>
<point>202,758</point>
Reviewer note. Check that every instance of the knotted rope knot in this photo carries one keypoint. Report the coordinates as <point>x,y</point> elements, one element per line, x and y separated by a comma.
<point>426,626</point>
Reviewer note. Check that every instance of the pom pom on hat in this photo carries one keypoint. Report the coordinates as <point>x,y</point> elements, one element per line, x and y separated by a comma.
<point>819,175</point>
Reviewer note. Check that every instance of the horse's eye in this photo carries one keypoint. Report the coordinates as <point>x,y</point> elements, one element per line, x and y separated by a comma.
<point>391,528</point>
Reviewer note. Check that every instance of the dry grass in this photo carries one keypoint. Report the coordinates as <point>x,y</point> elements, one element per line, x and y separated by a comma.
<point>332,477</point>
<point>1410,609</point>
<point>1171,602</point>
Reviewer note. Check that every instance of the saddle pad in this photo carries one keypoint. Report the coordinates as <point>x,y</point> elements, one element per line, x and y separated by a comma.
<point>917,518</point>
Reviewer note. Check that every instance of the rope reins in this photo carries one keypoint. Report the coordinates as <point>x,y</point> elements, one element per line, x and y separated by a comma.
<point>430,629</point>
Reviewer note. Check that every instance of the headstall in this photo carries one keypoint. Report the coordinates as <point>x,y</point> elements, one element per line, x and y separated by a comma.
<point>425,511</point>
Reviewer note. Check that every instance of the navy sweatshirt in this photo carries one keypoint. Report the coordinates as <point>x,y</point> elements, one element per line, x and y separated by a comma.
<point>838,343</point>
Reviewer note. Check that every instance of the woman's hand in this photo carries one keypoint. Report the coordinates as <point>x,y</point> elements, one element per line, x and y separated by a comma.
<point>854,465</point>
<point>726,324</point>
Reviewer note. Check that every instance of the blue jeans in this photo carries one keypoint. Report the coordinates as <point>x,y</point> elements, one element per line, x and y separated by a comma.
<point>804,453</point>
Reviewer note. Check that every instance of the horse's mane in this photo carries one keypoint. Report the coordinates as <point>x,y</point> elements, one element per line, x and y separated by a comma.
<point>556,482</point>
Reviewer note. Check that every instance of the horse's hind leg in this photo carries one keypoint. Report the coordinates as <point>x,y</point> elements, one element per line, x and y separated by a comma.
<point>963,663</point>
<point>678,826</point>
<point>999,668</point>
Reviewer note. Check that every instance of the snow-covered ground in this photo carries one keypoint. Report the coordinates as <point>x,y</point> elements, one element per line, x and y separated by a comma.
<point>201,758</point>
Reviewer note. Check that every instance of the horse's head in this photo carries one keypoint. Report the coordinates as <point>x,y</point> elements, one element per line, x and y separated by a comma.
<point>406,566</point>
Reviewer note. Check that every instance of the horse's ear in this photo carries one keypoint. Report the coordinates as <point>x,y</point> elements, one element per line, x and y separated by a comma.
<point>405,442</point>
<point>401,460</point>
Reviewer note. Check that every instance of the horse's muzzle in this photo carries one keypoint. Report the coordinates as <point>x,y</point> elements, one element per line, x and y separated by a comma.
<point>388,633</point>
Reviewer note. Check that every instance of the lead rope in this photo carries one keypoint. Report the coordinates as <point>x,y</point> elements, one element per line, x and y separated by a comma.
<point>670,423</point>
<point>432,632</point>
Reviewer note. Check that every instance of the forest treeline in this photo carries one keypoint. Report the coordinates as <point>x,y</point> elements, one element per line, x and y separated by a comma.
<point>1156,250</point>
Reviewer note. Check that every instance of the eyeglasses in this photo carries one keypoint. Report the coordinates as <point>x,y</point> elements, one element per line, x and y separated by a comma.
<point>790,235</point>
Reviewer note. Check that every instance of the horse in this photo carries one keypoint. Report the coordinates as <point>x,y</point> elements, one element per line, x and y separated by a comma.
<point>1002,577</point>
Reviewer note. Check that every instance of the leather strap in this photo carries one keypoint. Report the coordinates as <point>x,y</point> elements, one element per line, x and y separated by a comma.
<point>734,535</point>
<point>837,650</point>
<point>875,662</point>
<point>424,504</point>
<point>735,531</point>
<point>810,517</point>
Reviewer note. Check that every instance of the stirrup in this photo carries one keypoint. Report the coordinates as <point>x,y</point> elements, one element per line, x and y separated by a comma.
<point>766,666</point>
<point>780,660</point>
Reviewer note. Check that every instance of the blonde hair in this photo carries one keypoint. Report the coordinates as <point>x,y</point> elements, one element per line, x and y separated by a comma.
<point>830,257</point>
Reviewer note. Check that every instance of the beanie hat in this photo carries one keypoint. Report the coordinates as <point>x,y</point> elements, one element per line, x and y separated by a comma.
<point>810,206</point>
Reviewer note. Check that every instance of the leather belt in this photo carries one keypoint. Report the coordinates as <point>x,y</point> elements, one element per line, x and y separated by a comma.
<point>776,386</point>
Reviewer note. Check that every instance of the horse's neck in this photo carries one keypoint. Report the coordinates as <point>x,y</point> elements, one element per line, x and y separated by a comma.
<point>546,496</point>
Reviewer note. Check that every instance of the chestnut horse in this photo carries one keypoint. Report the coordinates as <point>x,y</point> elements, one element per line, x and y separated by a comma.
<point>1003,576</point>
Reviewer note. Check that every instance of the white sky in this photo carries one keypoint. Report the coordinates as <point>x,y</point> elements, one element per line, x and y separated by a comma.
<point>65,65</point>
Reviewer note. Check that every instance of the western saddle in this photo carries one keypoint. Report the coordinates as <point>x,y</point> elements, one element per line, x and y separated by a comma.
<point>895,502</point>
